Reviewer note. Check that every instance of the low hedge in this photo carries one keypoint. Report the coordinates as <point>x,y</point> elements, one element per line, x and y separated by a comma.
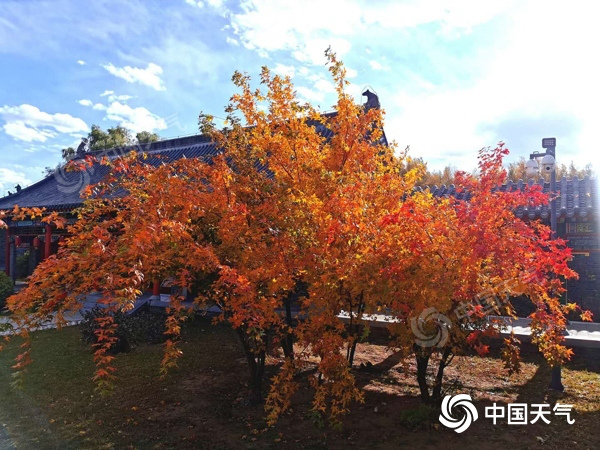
<point>142,327</point>
<point>7,288</point>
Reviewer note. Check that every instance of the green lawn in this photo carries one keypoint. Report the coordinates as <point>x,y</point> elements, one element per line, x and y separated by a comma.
<point>58,408</point>
<point>203,403</point>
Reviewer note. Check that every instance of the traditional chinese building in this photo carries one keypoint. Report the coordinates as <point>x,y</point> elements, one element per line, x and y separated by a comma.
<point>60,192</point>
<point>577,221</point>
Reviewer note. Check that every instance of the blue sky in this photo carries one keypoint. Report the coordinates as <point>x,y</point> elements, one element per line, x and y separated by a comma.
<point>453,76</point>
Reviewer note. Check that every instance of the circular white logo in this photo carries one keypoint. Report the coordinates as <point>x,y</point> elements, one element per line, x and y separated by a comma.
<point>432,337</point>
<point>462,402</point>
<point>72,180</point>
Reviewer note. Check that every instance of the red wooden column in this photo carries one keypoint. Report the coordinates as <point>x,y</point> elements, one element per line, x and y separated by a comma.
<point>155,290</point>
<point>36,245</point>
<point>48,241</point>
<point>7,253</point>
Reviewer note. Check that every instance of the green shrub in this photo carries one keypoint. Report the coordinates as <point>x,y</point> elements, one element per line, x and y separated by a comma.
<point>149,327</point>
<point>6,289</point>
<point>22,267</point>
<point>143,327</point>
<point>418,417</point>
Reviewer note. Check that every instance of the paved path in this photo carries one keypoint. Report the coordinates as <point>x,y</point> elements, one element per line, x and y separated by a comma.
<point>579,334</point>
<point>73,318</point>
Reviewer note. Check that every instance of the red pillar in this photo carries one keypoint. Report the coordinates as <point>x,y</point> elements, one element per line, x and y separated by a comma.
<point>48,241</point>
<point>7,253</point>
<point>156,289</point>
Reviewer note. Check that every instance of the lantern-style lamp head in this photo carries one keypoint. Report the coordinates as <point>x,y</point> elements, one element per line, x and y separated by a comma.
<point>17,241</point>
<point>531,167</point>
<point>548,163</point>
<point>36,242</point>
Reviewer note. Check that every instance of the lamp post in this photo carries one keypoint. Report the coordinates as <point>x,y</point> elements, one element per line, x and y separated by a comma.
<point>548,165</point>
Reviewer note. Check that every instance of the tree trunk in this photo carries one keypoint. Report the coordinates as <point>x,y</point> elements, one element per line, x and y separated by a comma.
<point>352,351</point>
<point>422,364</point>
<point>257,380</point>
<point>354,328</point>
<point>256,365</point>
<point>436,396</point>
<point>556,381</point>
<point>288,341</point>
<point>423,358</point>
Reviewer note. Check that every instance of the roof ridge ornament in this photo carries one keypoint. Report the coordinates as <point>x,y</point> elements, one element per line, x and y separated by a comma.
<point>372,98</point>
<point>83,147</point>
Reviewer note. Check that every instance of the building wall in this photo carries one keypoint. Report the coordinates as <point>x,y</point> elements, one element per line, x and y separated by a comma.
<point>583,237</point>
<point>584,291</point>
<point>2,249</point>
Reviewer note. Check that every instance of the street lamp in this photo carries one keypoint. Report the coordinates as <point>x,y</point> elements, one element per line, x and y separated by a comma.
<point>548,165</point>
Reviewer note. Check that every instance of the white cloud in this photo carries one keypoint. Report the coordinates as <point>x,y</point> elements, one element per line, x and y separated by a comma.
<point>309,95</point>
<point>319,91</point>
<point>375,65</point>
<point>22,132</point>
<point>532,76</point>
<point>199,4</point>
<point>232,41</point>
<point>312,50</point>
<point>215,3</point>
<point>28,123</point>
<point>136,119</point>
<point>81,62</point>
<point>9,178</point>
<point>122,97</point>
<point>99,107</point>
<point>324,86</point>
<point>283,70</point>
<point>271,25</point>
<point>85,102</point>
<point>150,76</point>
<point>112,97</point>
<point>190,62</point>
<point>454,15</point>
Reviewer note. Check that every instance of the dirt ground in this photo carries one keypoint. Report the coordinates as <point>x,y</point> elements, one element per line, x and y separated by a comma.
<point>203,404</point>
<point>392,416</point>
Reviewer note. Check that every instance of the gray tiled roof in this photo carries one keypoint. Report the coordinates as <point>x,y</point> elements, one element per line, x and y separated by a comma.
<point>61,190</point>
<point>575,197</point>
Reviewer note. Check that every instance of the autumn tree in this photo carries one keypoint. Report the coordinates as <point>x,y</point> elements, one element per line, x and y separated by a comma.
<point>468,257</point>
<point>296,197</point>
<point>438,177</point>
<point>355,180</point>
<point>265,211</point>
<point>516,170</point>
